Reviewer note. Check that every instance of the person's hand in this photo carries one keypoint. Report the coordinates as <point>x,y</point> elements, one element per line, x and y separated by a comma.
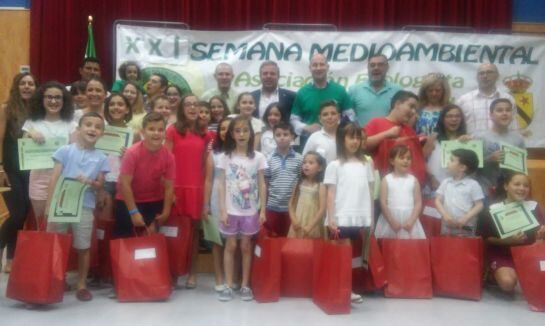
<point>138,220</point>
<point>450,221</point>
<point>262,217</point>
<point>84,180</point>
<point>310,129</point>
<point>161,218</point>
<point>224,219</point>
<point>296,226</point>
<point>408,226</point>
<point>332,225</point>
<point>4,180</point>
<point>395,225</point>
<point>465,138</point>
<point>37,137</point>
<point>307,229</point>
<point>393,132</point>
<point>497,156</point>
<point>123,150</point>
<point>540,234</point>
<point>517,239</point>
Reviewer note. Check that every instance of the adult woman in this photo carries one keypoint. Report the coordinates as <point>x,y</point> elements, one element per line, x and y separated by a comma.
<point>12,116</point>
<point>95,91</point>
<point>131,91</point>
<point>174,95</point>
<point>434,94</point>
<point>188,141</point>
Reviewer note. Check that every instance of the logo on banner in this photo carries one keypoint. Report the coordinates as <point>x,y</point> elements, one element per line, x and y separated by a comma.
<point>518,85</point>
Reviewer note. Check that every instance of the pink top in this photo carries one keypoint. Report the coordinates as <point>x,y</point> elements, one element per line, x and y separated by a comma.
<point>149,170</point>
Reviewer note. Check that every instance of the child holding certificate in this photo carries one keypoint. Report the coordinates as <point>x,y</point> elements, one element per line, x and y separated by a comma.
<point>502,114</point>
<point>51,114</point>
<point>459,198</point>
<point>145,188</point>
<point>81,161</point>
<point>514,187</point>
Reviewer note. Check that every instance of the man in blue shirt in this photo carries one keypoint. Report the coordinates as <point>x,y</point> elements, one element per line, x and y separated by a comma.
<point>371,98</point>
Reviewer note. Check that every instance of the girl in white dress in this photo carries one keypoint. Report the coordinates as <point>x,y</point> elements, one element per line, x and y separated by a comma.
<point>400,199</point>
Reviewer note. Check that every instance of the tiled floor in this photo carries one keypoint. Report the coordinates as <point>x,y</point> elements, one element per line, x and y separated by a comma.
<point>201,307</point>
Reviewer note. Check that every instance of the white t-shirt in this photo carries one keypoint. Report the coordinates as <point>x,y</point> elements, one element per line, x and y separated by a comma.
<point>268,145</point>
<point>51,129</point>
<point>241,182</point>
<point>324,144</point>
<point>353,196</point>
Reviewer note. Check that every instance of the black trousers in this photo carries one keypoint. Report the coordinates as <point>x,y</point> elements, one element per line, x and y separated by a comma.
<point>18,204</point>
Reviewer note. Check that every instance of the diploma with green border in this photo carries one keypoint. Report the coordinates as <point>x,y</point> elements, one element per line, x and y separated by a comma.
<point>67,201</point>
<point>447,146</point>
<point>114,140</point>
<point>34,156</point>
<point>512,218</point>
<point>514,158</point>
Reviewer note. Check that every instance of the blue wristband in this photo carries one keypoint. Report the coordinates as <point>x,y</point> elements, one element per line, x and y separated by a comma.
<point>134,211</point>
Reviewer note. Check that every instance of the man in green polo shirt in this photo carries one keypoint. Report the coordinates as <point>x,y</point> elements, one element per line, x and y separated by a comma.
<point>306,106</point>
<point>371,98</point>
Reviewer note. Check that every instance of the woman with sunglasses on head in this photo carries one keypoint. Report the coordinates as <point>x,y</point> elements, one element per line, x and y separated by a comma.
<point>434,94</point>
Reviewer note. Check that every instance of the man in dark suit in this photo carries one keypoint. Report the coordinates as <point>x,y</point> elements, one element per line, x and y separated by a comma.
<point>269,73</point>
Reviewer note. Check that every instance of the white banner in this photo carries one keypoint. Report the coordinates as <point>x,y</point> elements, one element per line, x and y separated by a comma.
<point>189,57</point>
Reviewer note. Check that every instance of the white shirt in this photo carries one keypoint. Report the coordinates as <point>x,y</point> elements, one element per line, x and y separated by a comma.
<point>268,145</point>
<point>50,129</point>
<point>353,196</point>
<point>459,196</point>
<point>323,143</point>
<point>264,101</point>
<point>476,108</point>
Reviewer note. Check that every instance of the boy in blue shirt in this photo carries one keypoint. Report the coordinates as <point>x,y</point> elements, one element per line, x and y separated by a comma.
<point>80,160</point>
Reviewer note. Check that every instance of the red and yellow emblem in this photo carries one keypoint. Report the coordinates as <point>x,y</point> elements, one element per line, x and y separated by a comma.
<point>518,86</point>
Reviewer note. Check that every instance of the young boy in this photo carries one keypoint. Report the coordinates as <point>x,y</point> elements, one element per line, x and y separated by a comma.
<point>459,198</point>
<point>385,132</point>
<point>323,141</point>
<point>282,175</point>
<point>80,160</point>
<point>501,115</point>
<point>145,186</point>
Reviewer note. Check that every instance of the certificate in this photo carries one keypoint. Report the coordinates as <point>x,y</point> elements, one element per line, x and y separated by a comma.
<point>448,146</point>
<point>514,158</point>
<point>67,202</point>
<point>114,140</point>
<point>34,156</point>
<point>512,218</point>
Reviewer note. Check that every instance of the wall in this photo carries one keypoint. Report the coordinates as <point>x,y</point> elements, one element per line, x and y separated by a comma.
<point>14,41</point>
<point>529,16</point>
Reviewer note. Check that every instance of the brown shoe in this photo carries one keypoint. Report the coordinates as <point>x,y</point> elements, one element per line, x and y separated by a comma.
<point>84,295</point>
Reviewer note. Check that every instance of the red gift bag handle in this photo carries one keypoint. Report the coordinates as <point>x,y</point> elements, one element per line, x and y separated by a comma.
<point>137,234</point>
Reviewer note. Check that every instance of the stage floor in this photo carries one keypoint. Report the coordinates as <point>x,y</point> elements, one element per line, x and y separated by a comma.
<point>201,307</point>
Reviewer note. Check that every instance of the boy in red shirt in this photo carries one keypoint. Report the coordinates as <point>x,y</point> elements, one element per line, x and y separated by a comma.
<point>145,186</point>
<point>385,132</point>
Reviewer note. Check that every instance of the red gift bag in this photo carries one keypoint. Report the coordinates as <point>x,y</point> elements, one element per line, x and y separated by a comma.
<point>140,268</point>
<point>104,231</point>
<point>430,218</point>
<point>178,232</point>
<point>457,267</point>
<point>530,267</point>
<point>39,267</point>
<point>373,276</point>
<point>408,269</point>
<point>266,269</point>
<point>297,260</point>
<point>332,277</point>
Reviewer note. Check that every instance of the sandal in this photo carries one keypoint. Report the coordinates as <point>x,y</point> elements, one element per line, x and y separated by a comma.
<point>84,295</point>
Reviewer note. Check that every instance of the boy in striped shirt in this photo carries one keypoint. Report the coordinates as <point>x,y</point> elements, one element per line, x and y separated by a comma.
<point>282,175</point>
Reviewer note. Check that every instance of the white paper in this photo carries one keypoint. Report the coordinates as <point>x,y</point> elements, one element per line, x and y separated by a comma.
<point>100,234</point>
<point>357,262</point>
<point>169,231</point>
<point>431,211</point>
<point>147,253</point>
<point>542,265</point>
<point>257,251</point>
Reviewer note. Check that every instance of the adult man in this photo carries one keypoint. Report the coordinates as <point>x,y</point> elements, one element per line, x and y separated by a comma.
<point>156,86</point>
<point>306,106</point>
<point>372,98</point>
<point>224,76</point>
<point>476,103</point>
<point>90,67</point>
<point>269,73</point>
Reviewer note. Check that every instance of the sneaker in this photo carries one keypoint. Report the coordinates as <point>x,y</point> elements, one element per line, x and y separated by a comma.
<point>356,298</point>
<point>220,288</point>
<point>226,295</point>
<point>236,287</point>
<point>246,294</point>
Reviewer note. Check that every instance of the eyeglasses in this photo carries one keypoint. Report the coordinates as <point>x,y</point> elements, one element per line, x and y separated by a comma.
<point>57,98</point>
